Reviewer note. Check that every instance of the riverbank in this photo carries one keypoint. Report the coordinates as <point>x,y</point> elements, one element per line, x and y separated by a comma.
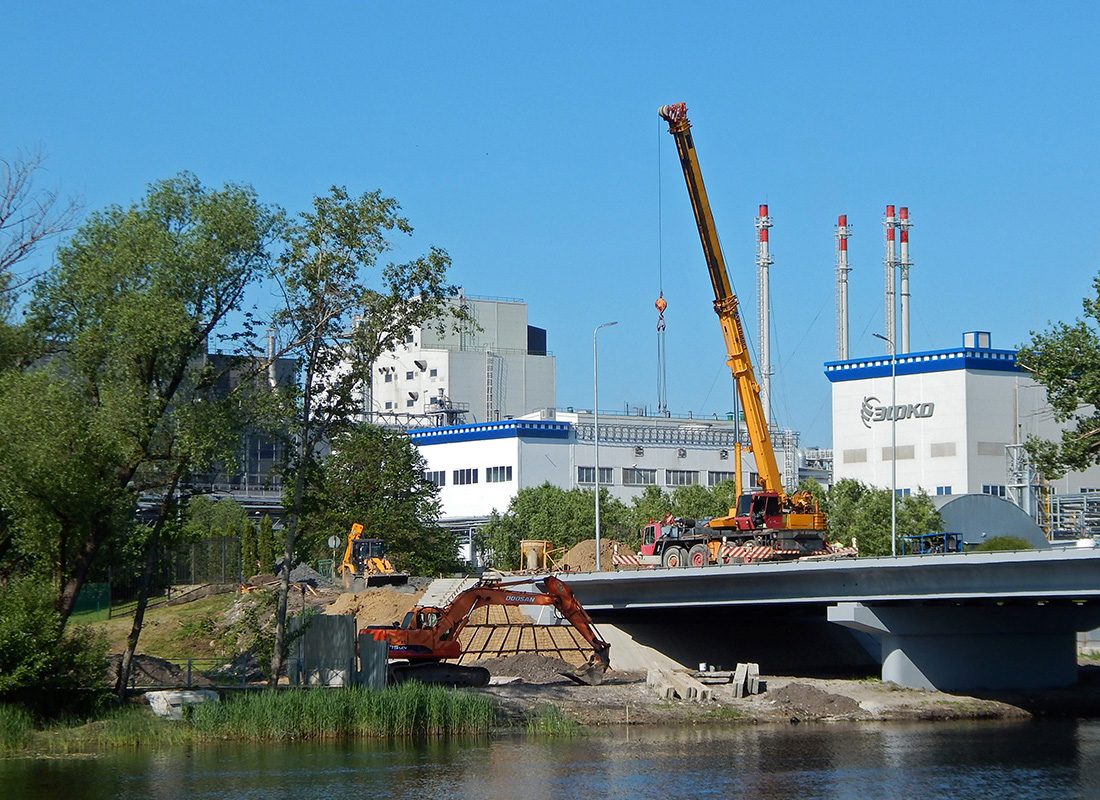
<point>624,698</point>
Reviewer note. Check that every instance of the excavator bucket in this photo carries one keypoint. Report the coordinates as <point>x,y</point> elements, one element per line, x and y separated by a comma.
<point>591,674</point>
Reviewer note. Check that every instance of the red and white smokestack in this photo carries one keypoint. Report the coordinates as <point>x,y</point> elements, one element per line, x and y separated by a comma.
<point>903,263</point>
<point>842,269</point>
<point>763,310</point>
<point>890,263</point>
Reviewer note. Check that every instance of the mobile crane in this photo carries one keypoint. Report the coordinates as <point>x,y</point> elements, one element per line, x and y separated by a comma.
<point>787,523</point>
<point>429,634</point>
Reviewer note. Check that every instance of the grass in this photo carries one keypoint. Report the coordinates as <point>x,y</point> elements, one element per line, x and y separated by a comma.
<point>167,629</point>
<point>550,720</point>
<point>409,710</point>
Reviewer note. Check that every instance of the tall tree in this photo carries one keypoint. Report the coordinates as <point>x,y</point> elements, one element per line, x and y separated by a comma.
<point>128,311</point>
<point>322,274</point>
<point>1066,360</point>
<point>375,477</point>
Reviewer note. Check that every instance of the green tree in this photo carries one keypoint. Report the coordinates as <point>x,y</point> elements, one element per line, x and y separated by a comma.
<point>652,504</point>
<point>861,512</point>
<point>213,516</point>
<point>36,654</point>
<point>562,516</point>
<point>1066,361</point>
<point>1004,543</point>
<point>375,476</point>
<point>694,501</point>
<point>128,310</point>
<point>321,274</point>
<point>267,544</point>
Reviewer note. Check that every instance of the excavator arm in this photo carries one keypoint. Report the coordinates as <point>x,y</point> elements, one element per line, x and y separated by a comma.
<point>725,302</point>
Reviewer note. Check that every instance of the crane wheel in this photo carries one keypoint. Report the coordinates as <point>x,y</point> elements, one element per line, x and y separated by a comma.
<point>698,556</point>
<point>674,557</point>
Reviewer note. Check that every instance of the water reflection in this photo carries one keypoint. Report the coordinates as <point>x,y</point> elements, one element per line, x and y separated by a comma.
<point>841,761</point>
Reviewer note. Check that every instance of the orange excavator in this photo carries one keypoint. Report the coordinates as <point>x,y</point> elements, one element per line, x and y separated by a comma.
<point>428,634</point>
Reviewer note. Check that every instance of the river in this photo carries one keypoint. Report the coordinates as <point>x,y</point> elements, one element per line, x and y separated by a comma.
<point>860,761</point>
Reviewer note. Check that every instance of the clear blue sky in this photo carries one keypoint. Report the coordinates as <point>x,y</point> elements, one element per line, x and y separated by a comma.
<point>523,138</point>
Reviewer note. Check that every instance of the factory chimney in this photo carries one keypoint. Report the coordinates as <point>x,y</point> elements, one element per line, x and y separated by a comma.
<point>842,270</point>
<point>763,299</point>
<point>904,224</point>
<point>889,262</point>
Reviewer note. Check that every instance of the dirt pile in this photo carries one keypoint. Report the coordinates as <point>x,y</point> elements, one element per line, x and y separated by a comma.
<point>152,671</point>
<point>529,667</point>
<point>582,556</point>
<point>809,702</point>
<point>378,606</point>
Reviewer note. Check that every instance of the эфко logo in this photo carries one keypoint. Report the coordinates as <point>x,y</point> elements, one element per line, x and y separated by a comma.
<point>870,412</point>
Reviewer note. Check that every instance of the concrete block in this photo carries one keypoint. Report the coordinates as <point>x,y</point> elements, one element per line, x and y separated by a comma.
<point>170,703</point>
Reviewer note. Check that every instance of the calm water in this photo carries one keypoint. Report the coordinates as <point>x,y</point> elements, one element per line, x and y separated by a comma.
<point>860,761</point>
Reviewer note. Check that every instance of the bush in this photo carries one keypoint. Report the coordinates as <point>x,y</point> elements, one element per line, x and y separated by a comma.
<point>1004,543</point>
<point>38,656</point>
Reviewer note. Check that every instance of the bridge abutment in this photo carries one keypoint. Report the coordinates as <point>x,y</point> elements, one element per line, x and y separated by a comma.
<point>951,647</point>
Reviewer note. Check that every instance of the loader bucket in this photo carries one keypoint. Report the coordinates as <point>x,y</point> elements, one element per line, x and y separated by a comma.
<point>390,579</point>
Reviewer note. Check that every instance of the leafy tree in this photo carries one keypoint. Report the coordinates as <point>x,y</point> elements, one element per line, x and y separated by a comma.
<point>862,512</point>
<point>375,477</point>
<point>36,653</point>
<point>1066,360</point>
<point>128,311</point>
<point>212,516</point>
<point>652,504</point>
<point>694,501</point>
<point>267,543</point>
<point>321,275</point>
<point>562,516</point>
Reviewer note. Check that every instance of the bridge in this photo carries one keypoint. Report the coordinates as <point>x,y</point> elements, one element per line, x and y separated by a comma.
<point>972,620</point>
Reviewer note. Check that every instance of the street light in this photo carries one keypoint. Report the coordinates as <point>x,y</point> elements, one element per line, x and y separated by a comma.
<point>596,432</point>
<point>893,444</point>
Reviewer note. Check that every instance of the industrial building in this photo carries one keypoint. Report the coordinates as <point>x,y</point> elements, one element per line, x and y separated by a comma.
<point>496,367</point>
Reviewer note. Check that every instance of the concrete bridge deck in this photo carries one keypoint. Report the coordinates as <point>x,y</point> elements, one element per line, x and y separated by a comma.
<point>953,621</point>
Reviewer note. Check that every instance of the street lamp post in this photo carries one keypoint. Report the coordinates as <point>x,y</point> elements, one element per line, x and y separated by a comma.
<point>893,444</point>
<point>596,431</point>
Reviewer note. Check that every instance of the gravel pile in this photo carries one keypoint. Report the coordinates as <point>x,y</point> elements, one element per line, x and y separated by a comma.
<point>529,667</point>
<point>809,702</point>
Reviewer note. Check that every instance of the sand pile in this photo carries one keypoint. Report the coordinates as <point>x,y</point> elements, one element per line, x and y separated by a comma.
<point>582,556</point>
<point>378,606</point>
<point>808,702</point>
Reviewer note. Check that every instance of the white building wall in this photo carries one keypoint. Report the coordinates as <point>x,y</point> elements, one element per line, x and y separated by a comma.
<point>474,499</point>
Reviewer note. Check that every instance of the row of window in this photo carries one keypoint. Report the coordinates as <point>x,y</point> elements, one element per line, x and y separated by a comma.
<point>409,375</point>
<point>636,476</point>
<point>464,477</point>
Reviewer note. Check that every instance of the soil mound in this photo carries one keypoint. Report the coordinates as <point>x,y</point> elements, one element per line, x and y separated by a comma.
<point>582,556</point>
<point>529,667</point>
<point>377,606</point>
<point>151,671</point>
<point>802,700</point>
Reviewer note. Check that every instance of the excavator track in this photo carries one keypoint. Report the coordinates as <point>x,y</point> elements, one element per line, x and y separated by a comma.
<point>439,673</point>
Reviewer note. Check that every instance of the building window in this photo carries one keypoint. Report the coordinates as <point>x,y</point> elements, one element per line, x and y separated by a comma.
<point>389,377</point>
<point>409,375</point>
<point>632,476</point>
<point>681,477</point>
<point>1087,489</point>
<point>498,474</point>
<point>754,480</point>
<point>463,477</point>
<point>438,477</point>
<point>409,403</point>
<point>432,373</point>
<point>901,492</point>
<point>715,478</point>
<point>993,489</point>
<point>389,405</point>
<point>943,490</point>
<point>588,475</point>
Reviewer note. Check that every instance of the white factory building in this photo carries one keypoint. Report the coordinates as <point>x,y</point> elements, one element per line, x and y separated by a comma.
<point>496,368</point>
<point>960,417</point>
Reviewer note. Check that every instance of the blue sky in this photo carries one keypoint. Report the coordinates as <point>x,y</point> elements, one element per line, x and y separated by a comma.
<point>523,139</point>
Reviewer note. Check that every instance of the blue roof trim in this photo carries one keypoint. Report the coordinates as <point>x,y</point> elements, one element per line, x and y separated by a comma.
<point>923,362</point>
<point>507,429</point>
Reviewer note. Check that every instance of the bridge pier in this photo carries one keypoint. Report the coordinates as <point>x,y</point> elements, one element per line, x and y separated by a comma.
<point>950,647</point>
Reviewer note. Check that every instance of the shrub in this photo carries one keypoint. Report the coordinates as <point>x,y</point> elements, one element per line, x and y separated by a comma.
<point>1004,543</point>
